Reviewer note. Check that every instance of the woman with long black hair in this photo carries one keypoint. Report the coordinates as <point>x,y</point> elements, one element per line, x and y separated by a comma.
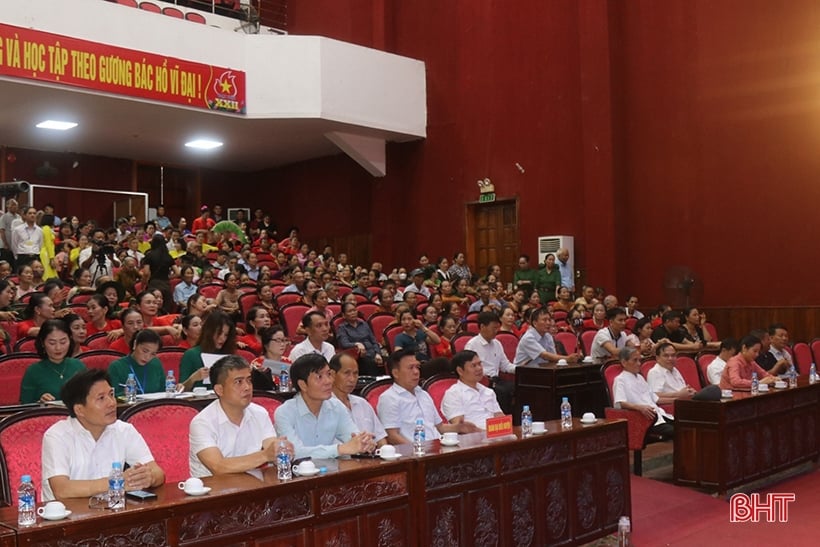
<point>158,266</point>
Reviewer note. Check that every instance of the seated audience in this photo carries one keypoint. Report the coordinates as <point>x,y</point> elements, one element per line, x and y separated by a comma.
<point>317,328</point>
<point>632,308</point>
<point>469,401</point>
<point>354,332</point>
<point>693,330</point>
<point>493,358</point>
<point>507,319</point>
<point>598,320</point>
<point>631,392</point>
<point>773,354</point>
<point>671,331</point>
<point>131,321</point>
<point>256,319</point>
<point>609,341</point>
<point>218,336</point>
<point>191,331</point>
<point>98,316</point>
<point>317,423</point>
<point>447,326</point>
<point>485,300</point>
<point>77,451</point>
<point>232,434</point>
<point>728,349</point>
<point>76,325</point>
<point>737,375</point>
<point>142,362</point>
<point>345,380</point>
<point>664,378</point>
<point>39,310</point>
<point>537,345</point>
<point>641,337</point>
<point>404,402</point>
<point>186,288</point>
<point>43,380</point>
<point>415,336</point>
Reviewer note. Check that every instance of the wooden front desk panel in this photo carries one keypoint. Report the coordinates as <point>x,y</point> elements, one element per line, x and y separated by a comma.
<point>559,488</point>
<point>542,387</point>
<point>725,444</point>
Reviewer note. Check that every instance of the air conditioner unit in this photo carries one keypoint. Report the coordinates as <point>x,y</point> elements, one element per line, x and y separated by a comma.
<point>551,244</point>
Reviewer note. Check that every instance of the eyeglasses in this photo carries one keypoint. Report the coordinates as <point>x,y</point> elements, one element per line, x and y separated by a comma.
<point>280,340</point>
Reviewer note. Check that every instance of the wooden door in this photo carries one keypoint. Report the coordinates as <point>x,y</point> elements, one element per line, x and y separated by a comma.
<point>492,237</point>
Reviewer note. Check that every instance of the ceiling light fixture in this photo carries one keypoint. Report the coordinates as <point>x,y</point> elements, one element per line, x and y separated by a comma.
<point>56,124</point>
<point>203,144</point>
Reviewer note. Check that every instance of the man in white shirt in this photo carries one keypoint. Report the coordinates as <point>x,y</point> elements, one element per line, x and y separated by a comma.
<point>345,378</point>
<point>631,392</point>
<point>666,380</point>
<point>77,452</point>
<point>318,329</point>
<point>319,424</point>
<point>728,349</point>
<point>468,400</point>
<point>232,434</point>
<point>27,239</point>
<point>536,345</point>
<point>417,286</point>
<point>99,264</point>
<point>609,341</point>
<point>493,358</point>
<point>404,402</point>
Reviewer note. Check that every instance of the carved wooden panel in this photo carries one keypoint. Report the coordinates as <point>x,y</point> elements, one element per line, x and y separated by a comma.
<point>598,443</point>
<point>389,528</point>
<point>767,445</point>
<point>444,522</point>
<point>734,469</point>
<point>363,492</point>
<point>556,507</point>
<point>342,533</point>
<point>241,517</point>
<point>520,514</point>
<point>516,460</point>
<point>616,483</point>
<point>466,471</point>
<point>149,535</point>
<point>482,517</point>
<point>584,486</point>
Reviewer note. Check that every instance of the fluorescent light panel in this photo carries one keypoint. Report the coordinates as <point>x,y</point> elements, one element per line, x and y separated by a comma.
<point>56,124</point>
<point>203,144</point>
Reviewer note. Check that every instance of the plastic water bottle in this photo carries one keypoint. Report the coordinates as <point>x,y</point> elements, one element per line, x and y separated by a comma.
<point>283,468</point>
<point>566,414</point>
<point>284,379</point>
<point>26,502</point>
<point>624,532</point>
<point>792,376</point>
<point>116,487</point>
<point>813,374</point>
<point>755,384</point>
<point>170,384</point>
<point>131,389</point>
<point>526,421</point>
<point>418,437</point>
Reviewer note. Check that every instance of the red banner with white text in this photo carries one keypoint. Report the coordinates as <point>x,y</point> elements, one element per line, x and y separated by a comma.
<point>45,57</point>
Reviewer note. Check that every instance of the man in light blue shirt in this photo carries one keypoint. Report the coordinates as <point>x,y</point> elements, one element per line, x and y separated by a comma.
<point>536,345</point>
<point>564,266</point>
<point>318,425</point>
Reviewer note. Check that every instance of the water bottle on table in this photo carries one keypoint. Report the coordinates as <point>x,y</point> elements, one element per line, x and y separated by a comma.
<point>526,422</point>
<point>755,384</point>
<point>131,389</point>
<point>813,374</point>
<point>284,379</point>
<point>283,469</point>
<point>566,414</point>
<point>170,384</point>
<point>116,487</point>
<point>26,501</point>
<point>792,376</point>
<point>418,437</point>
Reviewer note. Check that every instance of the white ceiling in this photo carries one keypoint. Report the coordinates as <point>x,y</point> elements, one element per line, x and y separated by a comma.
<point>126,128</point>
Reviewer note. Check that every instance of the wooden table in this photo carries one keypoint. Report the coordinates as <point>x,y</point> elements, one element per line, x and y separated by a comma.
<point>542,387</point>
<point>724,444</point>
<point>561,487</point>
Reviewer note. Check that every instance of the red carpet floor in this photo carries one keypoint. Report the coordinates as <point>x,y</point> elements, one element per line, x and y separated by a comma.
<point>669,515</point>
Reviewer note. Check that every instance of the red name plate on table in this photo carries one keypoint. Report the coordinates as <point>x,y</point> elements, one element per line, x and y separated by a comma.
<point>499,427</point>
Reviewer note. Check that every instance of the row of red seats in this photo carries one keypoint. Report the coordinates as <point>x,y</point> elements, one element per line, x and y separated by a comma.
<point>170,11</point>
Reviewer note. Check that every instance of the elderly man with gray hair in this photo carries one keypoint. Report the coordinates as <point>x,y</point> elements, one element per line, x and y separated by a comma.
<point>630,391</point>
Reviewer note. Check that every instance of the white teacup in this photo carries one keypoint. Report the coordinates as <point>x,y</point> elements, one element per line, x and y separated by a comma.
<point>763,387</point>
<point>305,468</point>
<point>53,509</point>
<point>562,362</point>
<point>538,427</point>
<point>191,485</point>
<point>450,437</point>
<point>588,417</point>
<point>588,359</point>
<point>780,384</point>
<point>386,451</point>
<point>200,391</point>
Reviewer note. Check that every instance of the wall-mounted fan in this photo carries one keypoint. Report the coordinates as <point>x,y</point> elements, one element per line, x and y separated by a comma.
<point>682,287</point>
